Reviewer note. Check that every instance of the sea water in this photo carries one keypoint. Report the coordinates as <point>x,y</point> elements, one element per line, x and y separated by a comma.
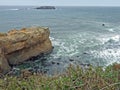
<point>80,35</point>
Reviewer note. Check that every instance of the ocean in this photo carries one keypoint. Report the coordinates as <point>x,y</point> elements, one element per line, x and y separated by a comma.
<point>80,35</point>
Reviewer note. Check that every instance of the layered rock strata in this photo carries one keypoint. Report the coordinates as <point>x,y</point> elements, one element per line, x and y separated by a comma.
<point>17,46</point>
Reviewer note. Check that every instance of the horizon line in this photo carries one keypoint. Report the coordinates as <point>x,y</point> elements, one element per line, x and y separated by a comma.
<point>67,5</point>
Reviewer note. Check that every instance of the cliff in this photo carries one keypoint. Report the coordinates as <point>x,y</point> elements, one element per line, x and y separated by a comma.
<point>17,46</point>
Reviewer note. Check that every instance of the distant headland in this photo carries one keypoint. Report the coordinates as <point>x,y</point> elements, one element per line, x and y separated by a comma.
<point>45,7</point>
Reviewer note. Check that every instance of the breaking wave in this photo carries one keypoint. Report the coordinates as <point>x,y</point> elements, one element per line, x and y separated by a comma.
<point>64,48</point>
<point>103,50</point>
<point>109,51</point>
<point>110,39</point>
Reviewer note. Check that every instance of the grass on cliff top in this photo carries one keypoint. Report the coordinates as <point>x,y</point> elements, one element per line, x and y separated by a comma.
<point>93,78</point>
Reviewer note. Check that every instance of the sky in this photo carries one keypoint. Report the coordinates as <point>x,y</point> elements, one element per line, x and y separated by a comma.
<point>62,2</point>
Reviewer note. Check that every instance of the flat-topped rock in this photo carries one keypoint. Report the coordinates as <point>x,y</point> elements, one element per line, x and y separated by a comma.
<point>45,7</point>
<point>17,46</point>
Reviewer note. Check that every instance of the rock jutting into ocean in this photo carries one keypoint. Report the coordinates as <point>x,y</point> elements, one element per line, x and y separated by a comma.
<point>17,46</point>
<point>45,7</point>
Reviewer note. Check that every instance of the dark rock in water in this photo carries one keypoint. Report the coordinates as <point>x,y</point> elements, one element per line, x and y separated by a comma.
<point>103,24</point>
<point>45,7</point>
<point>85,64</point>
<point>45,72</point>
<point>53,62</point>
<point>52,47</point>
<point>36,67</point>
<point>71,60</point>
<point>58,63</point>
<point>37,57</point>
<point>30,70</point>
<point>46,64</point>
<point>85,53</point>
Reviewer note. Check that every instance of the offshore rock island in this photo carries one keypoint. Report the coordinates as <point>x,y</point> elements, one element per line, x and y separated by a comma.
<point>45,7</point>
<point>17,46</point>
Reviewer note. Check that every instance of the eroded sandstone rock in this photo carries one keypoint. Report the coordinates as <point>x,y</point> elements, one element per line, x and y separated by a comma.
<point>19,45</point>
<point>4,66</point>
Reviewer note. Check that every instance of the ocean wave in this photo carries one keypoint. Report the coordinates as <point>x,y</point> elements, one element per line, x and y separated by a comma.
<point>109,56</point>
<point>110,39</point>
<point>63,47</point>
<point>105,53</point>
<point>108,51</point>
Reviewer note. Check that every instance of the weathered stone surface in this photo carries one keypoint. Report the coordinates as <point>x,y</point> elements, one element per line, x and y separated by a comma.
<point>19,45</point>
<point>4,66</point>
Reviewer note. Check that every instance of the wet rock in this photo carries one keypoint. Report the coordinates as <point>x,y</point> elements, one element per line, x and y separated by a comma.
<point>85,53</point>
<point>53,62</point>
<point>58,63</point>
<point>103,24</point>
<point>52,47</point>
<point>46,64</point>
<point>45,72</point>
<point>71,60</point>
<point>88,65</point>
<point>36,67</point>
<point>31,70</point>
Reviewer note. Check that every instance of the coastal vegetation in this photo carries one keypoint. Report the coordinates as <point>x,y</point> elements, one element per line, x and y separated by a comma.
<point>75,78</point>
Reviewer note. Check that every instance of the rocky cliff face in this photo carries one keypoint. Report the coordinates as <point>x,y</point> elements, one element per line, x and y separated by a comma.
<point>16,46</point>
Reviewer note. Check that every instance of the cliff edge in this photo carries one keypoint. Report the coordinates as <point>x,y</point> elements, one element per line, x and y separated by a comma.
<point>17,46</point>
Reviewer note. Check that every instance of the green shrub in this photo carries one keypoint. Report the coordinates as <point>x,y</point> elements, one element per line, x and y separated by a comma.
<point>75,78</point>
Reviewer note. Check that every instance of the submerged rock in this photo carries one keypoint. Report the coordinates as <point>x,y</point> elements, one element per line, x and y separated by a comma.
<point>17,46</point>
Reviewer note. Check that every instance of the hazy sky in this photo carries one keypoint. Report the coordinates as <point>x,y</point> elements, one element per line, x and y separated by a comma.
<point>62,2</point>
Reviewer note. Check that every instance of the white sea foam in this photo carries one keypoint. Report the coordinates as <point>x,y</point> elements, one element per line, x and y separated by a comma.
<point>55,42</point>
<point>64,48</point>
<point>109,55</point>
<point>110,51</point>
<point>111,29</point>
<point>115,38</point>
